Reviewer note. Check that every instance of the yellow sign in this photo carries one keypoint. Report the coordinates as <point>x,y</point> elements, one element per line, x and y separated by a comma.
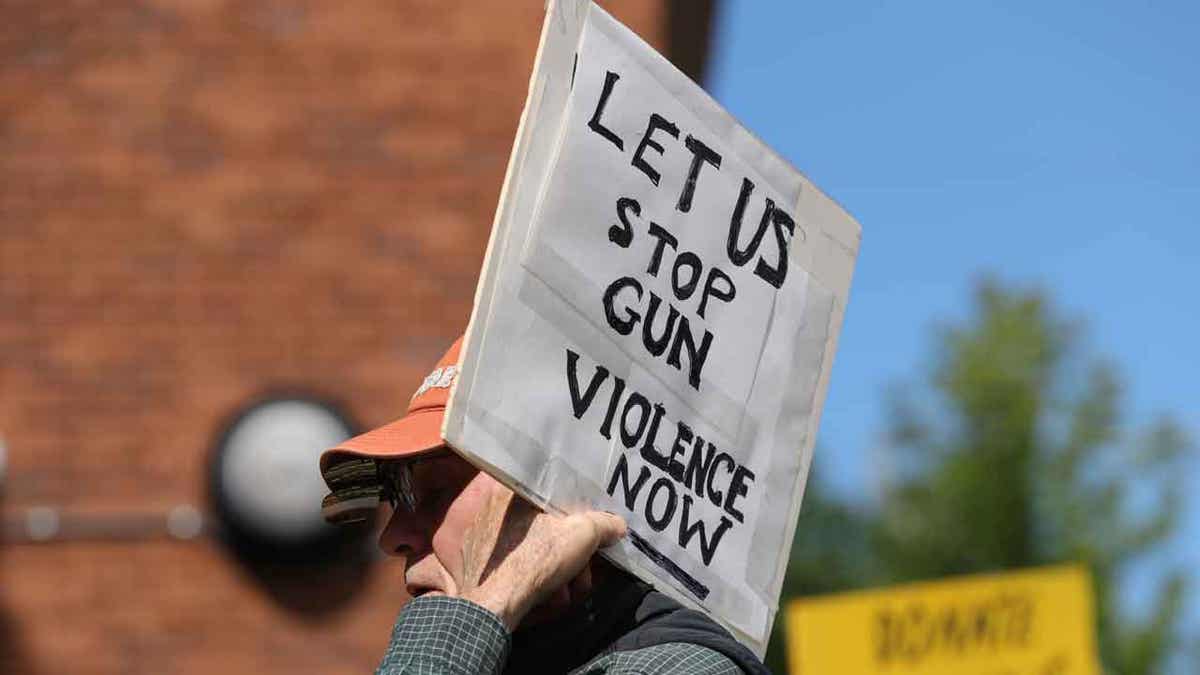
<point>1037,622</point>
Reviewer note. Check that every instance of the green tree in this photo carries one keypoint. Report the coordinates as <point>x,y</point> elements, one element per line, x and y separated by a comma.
<point>1014,453</point>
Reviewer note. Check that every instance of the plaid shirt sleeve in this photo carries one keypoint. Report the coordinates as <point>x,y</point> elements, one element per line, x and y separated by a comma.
<point>445,636</point>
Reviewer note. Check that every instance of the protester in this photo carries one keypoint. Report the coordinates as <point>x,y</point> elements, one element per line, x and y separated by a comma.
<point>497,584</point>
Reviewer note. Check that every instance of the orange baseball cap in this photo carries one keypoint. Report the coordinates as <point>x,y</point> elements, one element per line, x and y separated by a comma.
<point>418,432</point>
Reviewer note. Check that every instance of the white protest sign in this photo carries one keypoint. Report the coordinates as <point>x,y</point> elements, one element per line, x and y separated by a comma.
<point>655,322</point>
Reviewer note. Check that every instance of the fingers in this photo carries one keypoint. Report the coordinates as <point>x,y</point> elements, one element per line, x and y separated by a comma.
<point>538,558</point>
<point>609,527</point>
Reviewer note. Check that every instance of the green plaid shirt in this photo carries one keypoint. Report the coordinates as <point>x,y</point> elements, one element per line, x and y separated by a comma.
<point>451,636</point>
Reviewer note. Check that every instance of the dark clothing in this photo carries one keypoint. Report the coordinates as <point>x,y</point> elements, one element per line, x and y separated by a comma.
<point>624,627</point>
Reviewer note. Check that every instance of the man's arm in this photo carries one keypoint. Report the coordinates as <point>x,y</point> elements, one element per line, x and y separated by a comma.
<point>516,556</point>
<point>437,635</point>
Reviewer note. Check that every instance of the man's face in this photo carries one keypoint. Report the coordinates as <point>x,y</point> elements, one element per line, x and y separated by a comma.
<point>450,493</point>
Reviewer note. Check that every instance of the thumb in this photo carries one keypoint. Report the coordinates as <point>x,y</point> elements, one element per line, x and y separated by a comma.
<point>609,527</point>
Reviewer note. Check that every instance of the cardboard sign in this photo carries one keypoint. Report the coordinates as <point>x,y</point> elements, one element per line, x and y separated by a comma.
<point>655,321</point>
<point>1027,622</point>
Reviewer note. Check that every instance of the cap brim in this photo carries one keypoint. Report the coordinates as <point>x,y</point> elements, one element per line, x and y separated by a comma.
<point>416,433</point>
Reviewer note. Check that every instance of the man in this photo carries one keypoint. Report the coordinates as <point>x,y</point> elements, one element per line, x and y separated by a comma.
<point>497,585</point>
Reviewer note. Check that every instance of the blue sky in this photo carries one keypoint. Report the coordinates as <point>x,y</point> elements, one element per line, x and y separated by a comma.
<point>1049,143</point>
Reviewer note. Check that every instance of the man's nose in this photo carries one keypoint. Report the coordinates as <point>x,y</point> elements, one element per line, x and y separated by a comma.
<point>406,534</point>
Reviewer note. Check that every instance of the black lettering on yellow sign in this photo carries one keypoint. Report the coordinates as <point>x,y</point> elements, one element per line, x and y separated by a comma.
<point>915,632</point>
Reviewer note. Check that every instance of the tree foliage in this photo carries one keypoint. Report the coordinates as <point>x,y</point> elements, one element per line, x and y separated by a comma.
<point>1013,451</point>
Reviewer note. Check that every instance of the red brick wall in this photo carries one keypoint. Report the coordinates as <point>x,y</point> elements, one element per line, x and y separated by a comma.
<point>201,200</point>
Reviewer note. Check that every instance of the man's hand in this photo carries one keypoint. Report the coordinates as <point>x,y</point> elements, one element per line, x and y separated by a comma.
<point>515,556</point>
